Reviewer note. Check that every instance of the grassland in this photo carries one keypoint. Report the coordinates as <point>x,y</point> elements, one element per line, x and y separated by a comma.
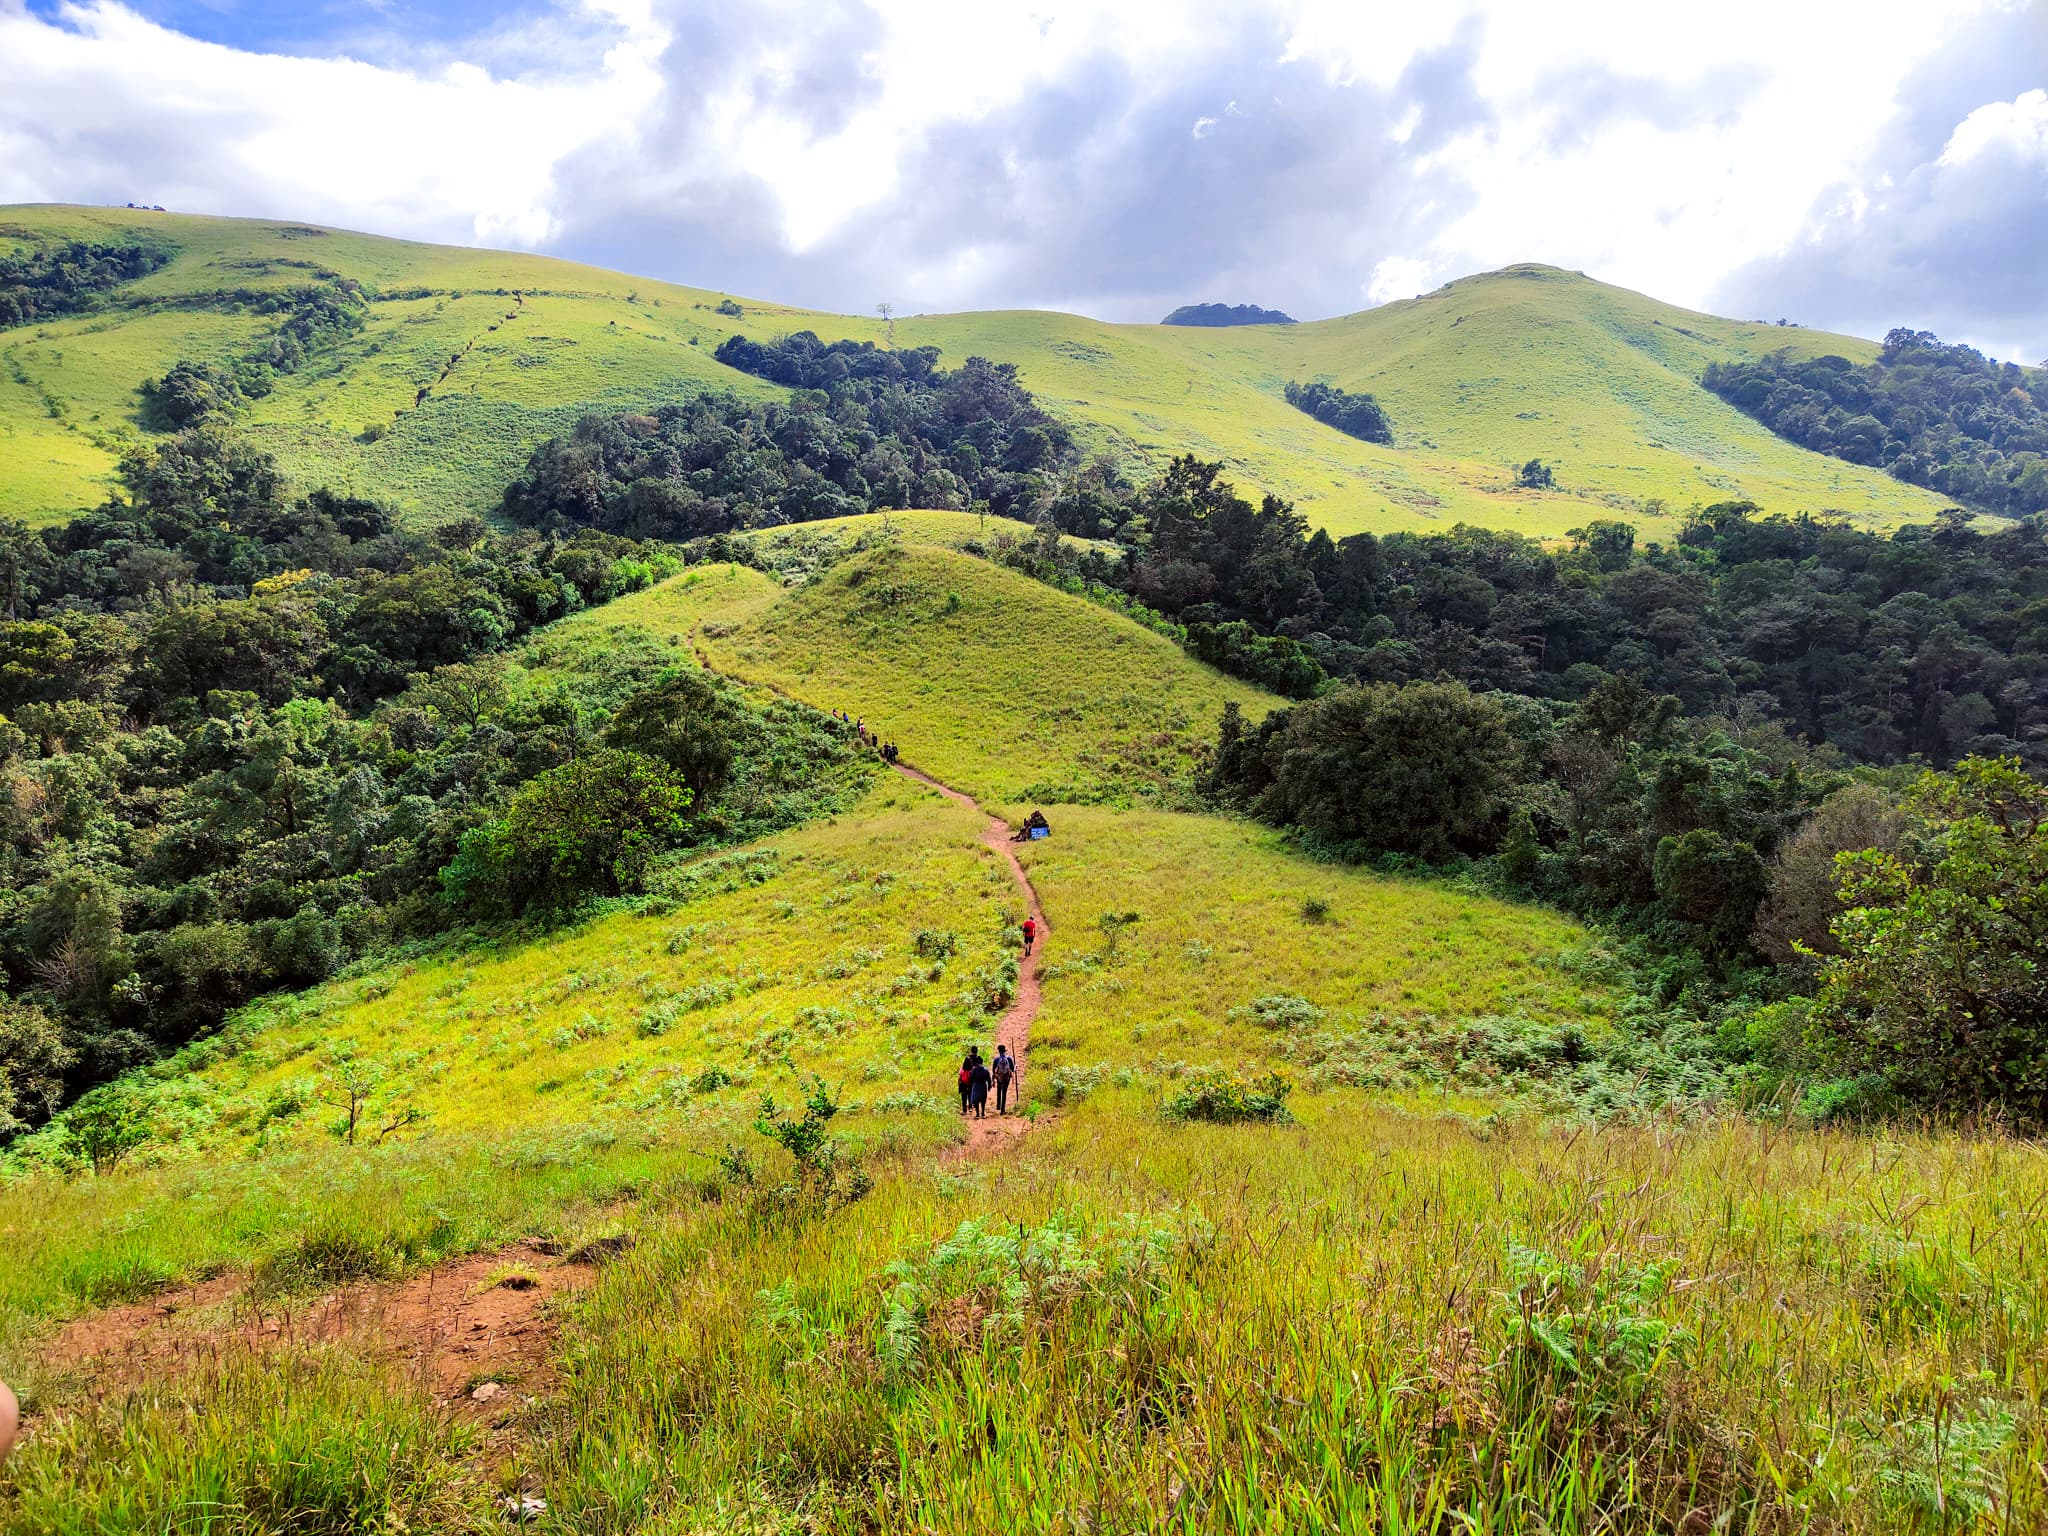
<point>1420,1303</point>
<point>1479,376</point>
<point>1228,915</point>
<point>1346,1325</point>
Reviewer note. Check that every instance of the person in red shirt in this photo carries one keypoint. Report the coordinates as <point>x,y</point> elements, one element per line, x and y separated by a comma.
<point>1030,932</point>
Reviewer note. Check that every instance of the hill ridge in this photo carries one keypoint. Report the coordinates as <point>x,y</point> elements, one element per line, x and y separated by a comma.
<point>1478,376</point>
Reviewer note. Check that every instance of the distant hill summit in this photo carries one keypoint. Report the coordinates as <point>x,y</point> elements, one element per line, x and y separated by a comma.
<point>1226,314</point>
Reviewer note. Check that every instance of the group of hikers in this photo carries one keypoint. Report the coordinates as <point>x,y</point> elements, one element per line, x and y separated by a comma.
<point>868,738</point>
<point>976,1076</point>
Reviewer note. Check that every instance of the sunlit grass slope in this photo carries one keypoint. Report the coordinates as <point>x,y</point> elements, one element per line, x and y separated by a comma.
<point>1344,1327</point>
<point>794,956</point>
<point>1479,376</point>
<point>1356,1324</point>
<point>994,682</point>
<point>509,348</point>
<point>811,953</point>
<point>1227,914</point>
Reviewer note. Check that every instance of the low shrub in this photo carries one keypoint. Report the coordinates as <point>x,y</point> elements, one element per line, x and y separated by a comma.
<point>1220,1096</point>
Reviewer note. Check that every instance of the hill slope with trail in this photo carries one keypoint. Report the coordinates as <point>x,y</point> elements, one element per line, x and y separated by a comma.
<point>581,1289</point>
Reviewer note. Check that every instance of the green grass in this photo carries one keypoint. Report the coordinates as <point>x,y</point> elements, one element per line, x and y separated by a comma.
<point>1220,926</point>
<point>1479,376</point>
<point>1330,1327</point>
<point>1421,1304</point>
<point>996,683</point>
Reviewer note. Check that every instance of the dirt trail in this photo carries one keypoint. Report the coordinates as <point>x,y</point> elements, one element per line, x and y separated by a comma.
<point>996,1131</point>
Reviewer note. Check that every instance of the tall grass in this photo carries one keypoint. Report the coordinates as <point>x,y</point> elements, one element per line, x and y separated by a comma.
<point>314,1444</point>
<point>1374,1322</point>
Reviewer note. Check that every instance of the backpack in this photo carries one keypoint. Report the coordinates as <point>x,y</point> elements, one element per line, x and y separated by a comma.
<point>1005,1067</point>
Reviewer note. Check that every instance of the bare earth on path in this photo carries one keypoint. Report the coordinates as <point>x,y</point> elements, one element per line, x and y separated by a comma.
<point>482,1317</point>
<point>995,1131</point>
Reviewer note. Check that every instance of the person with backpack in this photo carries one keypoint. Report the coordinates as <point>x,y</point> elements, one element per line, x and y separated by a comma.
<point>977,1084</point>
<point>1003,1069</point>
<point>967,1067</point>
<point>1030,932</point>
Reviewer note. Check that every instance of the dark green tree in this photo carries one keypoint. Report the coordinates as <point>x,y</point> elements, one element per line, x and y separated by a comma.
<point>1941,985</point>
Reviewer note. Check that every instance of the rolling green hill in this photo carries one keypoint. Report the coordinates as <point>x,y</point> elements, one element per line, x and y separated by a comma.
<point>1007,688</point>
<point>470,357</point>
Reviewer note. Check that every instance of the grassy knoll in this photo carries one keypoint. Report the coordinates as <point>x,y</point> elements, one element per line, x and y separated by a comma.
<point>1479,376</point>
<point>999,685</point>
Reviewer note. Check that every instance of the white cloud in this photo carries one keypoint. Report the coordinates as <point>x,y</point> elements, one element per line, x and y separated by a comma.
<point>121,107</point>
<point>1660,147</point>
<point>2018,127</point>
<point>1399,277</point>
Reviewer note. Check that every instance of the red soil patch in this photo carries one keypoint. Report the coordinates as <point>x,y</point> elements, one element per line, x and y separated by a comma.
<point>449,1327</point>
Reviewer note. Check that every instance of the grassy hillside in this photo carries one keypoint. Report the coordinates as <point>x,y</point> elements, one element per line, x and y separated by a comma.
<point>1417,1303</point>
<point>992,681</point>
<point>1479,376</point>
<point>1227,915</point>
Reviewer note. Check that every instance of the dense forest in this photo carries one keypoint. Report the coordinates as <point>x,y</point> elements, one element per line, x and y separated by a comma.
<point>1931,642</point>
<point>1359,415</point>
<point>42,281</point>
<point>248,738</point>
<point>1943,416</point>
<point>867,428</point>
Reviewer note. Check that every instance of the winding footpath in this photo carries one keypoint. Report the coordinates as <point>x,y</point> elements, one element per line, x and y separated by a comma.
<point>995,1131</point>
<point>1014,1029</point>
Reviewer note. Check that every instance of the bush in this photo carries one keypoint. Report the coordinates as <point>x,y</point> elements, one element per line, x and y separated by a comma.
<point>105,1126</point>
<point>33,1056</point>
<point>1942,983</point>
<point>1223,1098</point>
<point>1424,769</point>
<point>935,943</point>
<point>588,828</point>
<point>1359,415</point>
<point>1597,1344</point>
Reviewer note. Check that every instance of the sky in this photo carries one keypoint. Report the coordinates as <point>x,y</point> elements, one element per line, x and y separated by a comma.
<point>1853,166</point>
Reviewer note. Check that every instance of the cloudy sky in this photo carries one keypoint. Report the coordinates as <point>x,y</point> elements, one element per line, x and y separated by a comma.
<point>1855,165</point>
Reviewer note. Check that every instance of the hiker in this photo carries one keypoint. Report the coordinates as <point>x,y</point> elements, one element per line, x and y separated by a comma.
<point>1003,1069</point>
<point>967,1078</point>
<point>977,1082</point>
<point>1030,932</point>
